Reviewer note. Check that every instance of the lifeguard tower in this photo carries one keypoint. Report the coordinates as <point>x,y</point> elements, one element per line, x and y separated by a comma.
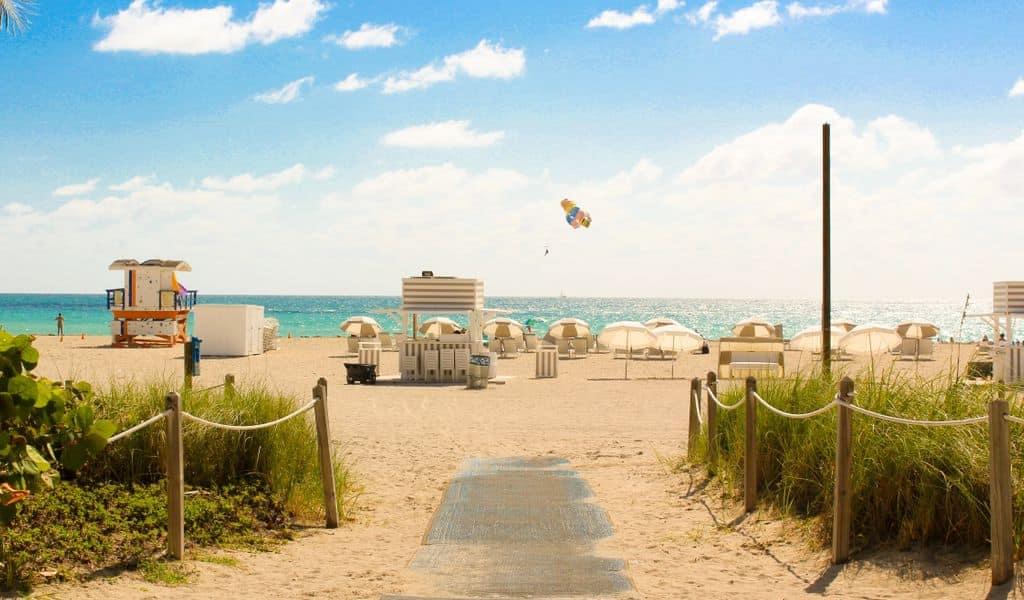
<point>152,308</point>
<point>1007,308</point>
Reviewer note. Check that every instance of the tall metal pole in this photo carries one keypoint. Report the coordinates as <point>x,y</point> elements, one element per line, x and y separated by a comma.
<point>826,253</point>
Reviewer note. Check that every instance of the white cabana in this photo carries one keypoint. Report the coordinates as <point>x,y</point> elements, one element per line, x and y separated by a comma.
<point>754,328</point>
<point>438,326</point>
<point>661,322</point>
<point>563,329</point>
<point>917,329</point>
<point>809,340</point>
<point>676,338</point>
<point>628,336</point>
<point>503,327</point>
<point>870,339</point>
<point>361,327</point>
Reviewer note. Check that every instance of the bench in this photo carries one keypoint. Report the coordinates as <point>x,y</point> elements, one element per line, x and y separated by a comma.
<point>744,356</point>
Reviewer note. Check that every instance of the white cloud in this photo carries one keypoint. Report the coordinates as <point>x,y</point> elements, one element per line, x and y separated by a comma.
<point>1018,89</point>
<point>614,19</point>
<point>761,14</point>
<point>77,189</point>
<point>352,83</point>
<point>17,209</point>
<point>797,10</point>
<point>443,183</point>
<point>484,61</point>
<point>248,183</point>
<point>134,184</point>
<point>368,36</point>
<point>641,15</point>
<point>702,14</point>
<point>151,29</point>
<point>443,134</point>
<point>289,93</point>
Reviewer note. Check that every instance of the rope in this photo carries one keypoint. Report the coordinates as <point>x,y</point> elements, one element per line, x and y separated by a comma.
<point>296,413</point>
<point>724,406</point>
<point>212,387</point>
<point>696,403</point>
<point>1014,419</point>
<point>783,413</point>
<point>142,425</point>
<point>901,420</point>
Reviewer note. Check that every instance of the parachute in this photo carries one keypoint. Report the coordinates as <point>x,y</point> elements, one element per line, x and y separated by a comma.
<point>575,216</point>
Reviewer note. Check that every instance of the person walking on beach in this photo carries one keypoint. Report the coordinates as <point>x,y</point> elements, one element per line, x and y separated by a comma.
<point>60,326</point>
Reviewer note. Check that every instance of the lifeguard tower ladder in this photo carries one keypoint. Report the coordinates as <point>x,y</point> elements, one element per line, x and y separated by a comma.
<point>152,308</point>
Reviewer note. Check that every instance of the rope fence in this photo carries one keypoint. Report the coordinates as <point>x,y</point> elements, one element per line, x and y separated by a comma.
<point>173,417</point>
<point>998,419</point>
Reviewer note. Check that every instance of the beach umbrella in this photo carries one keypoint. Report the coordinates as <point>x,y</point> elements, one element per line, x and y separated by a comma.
<point>753,328</point>
<point>809,340</point>
<point>661,322</point>
<point>845,324</point>
<point>563,329</point>
<point>676,338</point>
<point>503,327</point>
<point>361,327</point>
<point>439,326</point>
<point>917,329</point>
<point>870,339</point>
<point>628,336</point>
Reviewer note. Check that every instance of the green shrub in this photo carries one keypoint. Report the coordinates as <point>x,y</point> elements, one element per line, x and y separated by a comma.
<point>909,483</point>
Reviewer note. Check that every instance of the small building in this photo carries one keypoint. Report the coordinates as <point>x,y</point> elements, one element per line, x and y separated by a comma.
<point>153,306</point>
<point>1007,308</point>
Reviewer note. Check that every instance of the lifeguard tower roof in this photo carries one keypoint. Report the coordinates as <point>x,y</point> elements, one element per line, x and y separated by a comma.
<point>127,263</point>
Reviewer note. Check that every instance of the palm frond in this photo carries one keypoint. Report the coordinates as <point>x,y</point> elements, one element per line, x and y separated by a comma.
<point>14,15</point>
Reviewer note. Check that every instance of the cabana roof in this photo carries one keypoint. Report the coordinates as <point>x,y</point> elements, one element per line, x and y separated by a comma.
<point>124,264</point>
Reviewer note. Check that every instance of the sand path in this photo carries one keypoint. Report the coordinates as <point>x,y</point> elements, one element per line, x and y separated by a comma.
<point>406,443</point>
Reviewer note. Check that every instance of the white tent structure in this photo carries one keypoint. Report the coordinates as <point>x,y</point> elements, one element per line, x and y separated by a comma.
<point>809,340</point>
<point>361,327</point>
<point>754,328</point>
<point>628,336</point>
<point>870,339</point>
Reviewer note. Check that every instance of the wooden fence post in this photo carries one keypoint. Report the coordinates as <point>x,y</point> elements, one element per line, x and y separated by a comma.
<point>693,426</point>
<point>175,479</point>
<point>842,497</point>
<point>750,448</point>
<point>188,365</point>
<point>1000,492</point>
<point>712,419</point>
<point>323,443</point>
<point>229,384</point>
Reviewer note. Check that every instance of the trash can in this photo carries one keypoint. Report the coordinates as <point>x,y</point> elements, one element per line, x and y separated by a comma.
<point>479,372</point>
<point>192,367</point>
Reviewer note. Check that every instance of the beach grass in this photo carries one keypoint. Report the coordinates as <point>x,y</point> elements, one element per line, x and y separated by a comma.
<point>283,458</point>
<point>910,484</point>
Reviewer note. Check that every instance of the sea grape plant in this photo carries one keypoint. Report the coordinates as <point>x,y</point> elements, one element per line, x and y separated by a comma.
<point>45,427</point>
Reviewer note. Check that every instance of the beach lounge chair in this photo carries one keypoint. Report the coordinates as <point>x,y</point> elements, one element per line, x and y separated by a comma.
<point>530,342</point>
<point>461,364</point>
<point>387,343</point>
<point>448,365</point>
<point>509,347</point>
<point>916,349</point>
<point>431,366</point>
<point>740,357</point>
<point>579,346</point>
<point>409,365</point>
<point>494,345</point>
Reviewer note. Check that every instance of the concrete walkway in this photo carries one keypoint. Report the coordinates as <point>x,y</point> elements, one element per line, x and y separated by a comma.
<point>516,528</point>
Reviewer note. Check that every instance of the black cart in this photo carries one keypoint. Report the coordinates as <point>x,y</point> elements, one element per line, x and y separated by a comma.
<point>360,372</point>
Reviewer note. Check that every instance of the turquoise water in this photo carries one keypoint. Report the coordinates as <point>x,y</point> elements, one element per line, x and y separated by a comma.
<point>321,315</point>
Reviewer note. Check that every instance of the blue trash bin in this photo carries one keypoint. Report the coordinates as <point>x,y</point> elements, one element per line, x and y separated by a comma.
<point>196,354</point>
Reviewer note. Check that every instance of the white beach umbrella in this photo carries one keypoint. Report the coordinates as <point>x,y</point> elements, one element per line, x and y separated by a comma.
<point>870,339</point>
<point>569,328</point>
<point>917,329</point>
<point>753,328</point>
<point>676,338</point>
<point>361,327</point>
<point>503,327</point>
<point>661,322</point>
<point>438,326</point>
<point>845,324</point>
<point>628,336</point>
<point>809,340</point>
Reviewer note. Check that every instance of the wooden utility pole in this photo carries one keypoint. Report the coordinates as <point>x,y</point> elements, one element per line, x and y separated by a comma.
<point>826,252</point>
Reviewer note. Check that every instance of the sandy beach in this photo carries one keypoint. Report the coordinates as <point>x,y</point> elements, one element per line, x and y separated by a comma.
<point>405,443</point>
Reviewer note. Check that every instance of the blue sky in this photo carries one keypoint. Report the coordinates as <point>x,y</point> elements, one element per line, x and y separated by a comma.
<point>691,140</point>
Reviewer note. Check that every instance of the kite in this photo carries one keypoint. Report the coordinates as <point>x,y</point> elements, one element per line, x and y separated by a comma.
<point>574,215</point>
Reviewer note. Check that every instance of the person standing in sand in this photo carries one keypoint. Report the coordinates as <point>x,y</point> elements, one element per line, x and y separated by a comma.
<point>60,326</point>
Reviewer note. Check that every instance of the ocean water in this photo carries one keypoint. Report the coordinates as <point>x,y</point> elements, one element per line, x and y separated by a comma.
<point>321,315</point>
